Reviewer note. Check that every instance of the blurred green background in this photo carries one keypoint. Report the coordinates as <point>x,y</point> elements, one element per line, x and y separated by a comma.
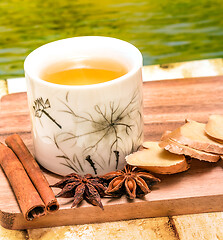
<point>164,31</point>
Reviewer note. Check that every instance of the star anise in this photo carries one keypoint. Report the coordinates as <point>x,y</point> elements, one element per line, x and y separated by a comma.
<point>130,181</point>
<point>87,187</point>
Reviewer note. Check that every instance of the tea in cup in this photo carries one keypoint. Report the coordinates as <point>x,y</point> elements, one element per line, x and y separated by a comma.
<point>85,102</point>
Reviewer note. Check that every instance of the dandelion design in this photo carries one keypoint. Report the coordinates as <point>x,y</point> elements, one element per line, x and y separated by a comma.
<point>40,108</point>
<point>111,121</point>
<point>71,162</point>
<point>88,158</point>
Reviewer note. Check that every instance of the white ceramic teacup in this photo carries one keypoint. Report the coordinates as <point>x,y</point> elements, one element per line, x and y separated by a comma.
<point>88,128</point>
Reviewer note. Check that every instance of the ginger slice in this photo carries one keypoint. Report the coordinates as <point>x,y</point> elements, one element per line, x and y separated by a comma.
<point>158,160</point>
<point>193,134</point>
<point>177,148</point>
<point>214,127</point>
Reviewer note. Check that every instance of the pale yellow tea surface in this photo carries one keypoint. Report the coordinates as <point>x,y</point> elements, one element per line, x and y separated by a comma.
<point>83,71</point>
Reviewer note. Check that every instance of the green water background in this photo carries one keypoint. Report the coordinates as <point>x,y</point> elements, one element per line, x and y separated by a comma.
<point>165,31</point>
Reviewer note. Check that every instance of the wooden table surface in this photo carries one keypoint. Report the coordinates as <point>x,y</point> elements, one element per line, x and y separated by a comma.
<point>170,102</point>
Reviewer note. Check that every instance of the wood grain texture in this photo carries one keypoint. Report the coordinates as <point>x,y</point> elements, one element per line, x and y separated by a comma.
<point>166,105</point>
<point>207,226</point>
<point>3,87</point>
<point>6,234</point>
<point>140,229</point>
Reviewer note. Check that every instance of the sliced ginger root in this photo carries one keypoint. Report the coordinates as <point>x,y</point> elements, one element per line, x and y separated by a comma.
<point>194,139</point>
<point>158,160</point>
<point>214,127</point>
<point>177,148</point>
<point>192,134</point>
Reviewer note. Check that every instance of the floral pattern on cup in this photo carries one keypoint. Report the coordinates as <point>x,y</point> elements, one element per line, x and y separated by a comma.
<point>108,120</point>
<point>87,128</point>
<point>40,107</point>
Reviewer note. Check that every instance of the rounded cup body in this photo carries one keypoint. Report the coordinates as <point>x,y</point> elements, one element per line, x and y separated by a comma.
<point>89,128</point>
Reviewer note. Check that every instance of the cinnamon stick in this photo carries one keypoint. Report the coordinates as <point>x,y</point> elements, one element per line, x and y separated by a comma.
<point>30,203</point>
<point>34,172</point>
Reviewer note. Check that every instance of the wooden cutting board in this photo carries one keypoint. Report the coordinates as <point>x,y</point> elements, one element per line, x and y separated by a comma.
<point>166,105</point>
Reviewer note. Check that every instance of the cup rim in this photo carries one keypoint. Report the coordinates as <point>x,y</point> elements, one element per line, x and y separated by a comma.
<point>96,85</point>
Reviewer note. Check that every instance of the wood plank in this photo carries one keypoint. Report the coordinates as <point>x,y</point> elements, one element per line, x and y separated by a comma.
<point>166,105</point>
<point>6,234</point>
<point>143,229</point>
<point>200,226</point>
<point>3,87</point>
